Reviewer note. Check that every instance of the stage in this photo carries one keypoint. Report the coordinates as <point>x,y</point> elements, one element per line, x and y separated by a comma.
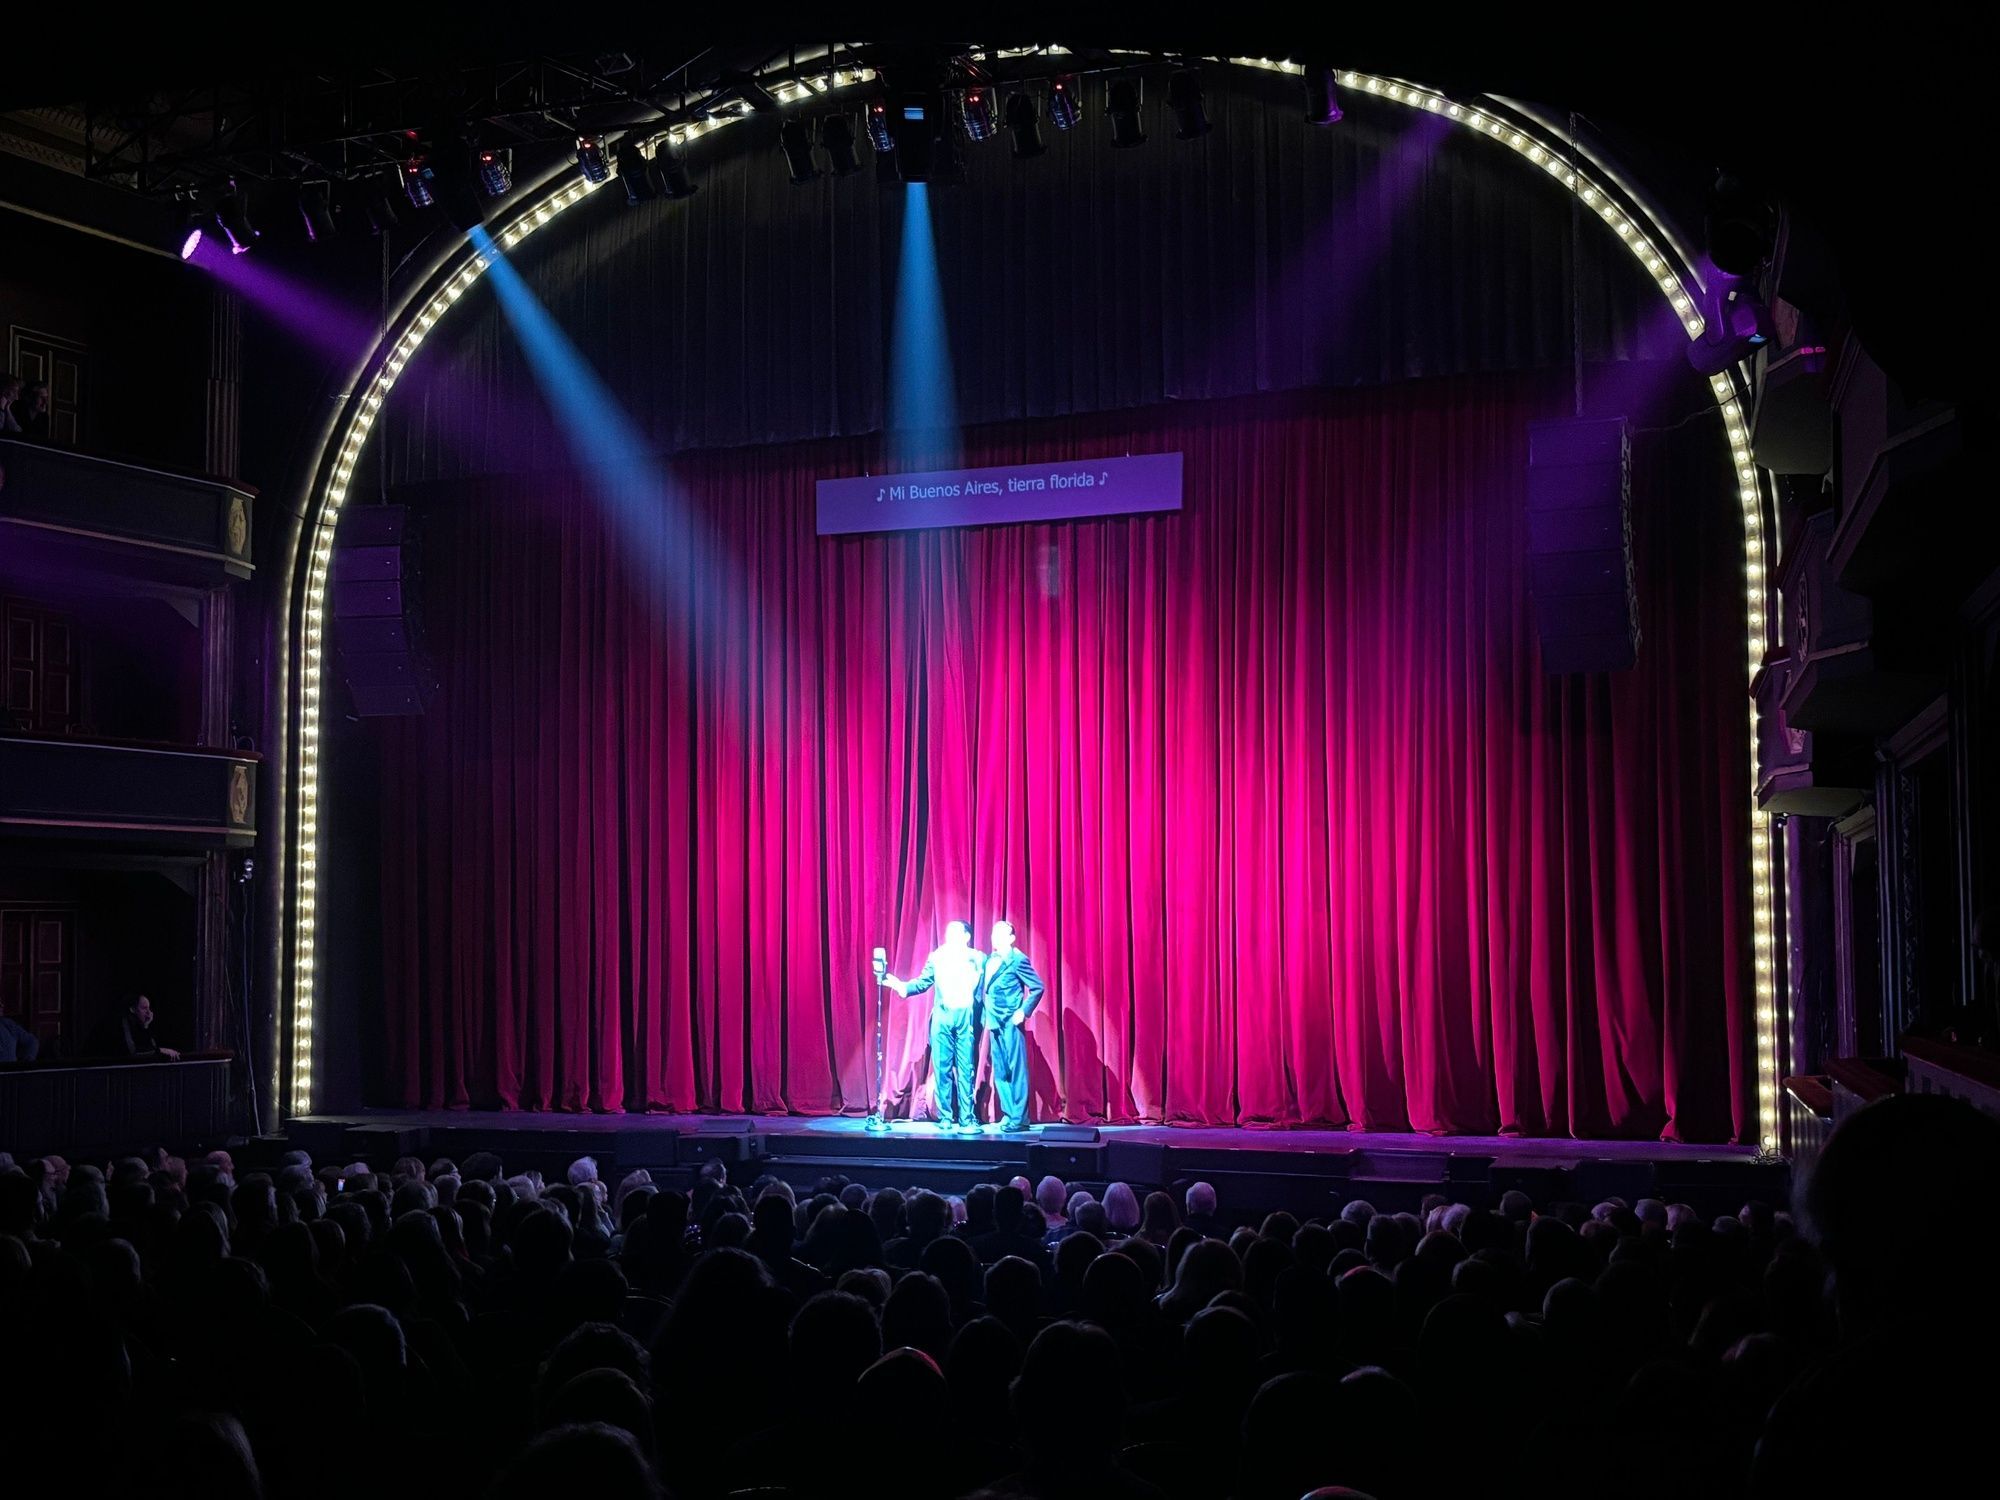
<point>1254,1170</point>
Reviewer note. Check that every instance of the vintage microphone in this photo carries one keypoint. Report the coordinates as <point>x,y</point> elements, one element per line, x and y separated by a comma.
<point>876,1124</point>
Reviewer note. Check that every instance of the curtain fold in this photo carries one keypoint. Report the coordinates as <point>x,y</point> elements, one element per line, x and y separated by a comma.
<point>1274,788</point>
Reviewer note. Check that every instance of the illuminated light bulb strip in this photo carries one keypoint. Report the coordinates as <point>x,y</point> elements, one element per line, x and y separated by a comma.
<point>403,345</point>
<point>1546,155</point>
<point>789,92</point>
<point>1681,293</point>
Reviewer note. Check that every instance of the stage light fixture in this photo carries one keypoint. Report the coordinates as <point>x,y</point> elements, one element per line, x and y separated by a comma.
<point>836,139</point>
<point>974,108</point>
<point>796,141</point>
<point>638,172</point>
<point>1740,327</point>
<point>1742,226</point>
<point>1184,99</point>
<point>1322,100</point>
<point>1123,102</point>
<point>591,160</point>
<point>192,229</point>
<point>1024,124</point>
<point>495,171</point>
<point>670,171</point>
<point>881,134</point>
<point>1065,103</point>
<point>456,181</point>
<point>315,211</point>
<point>378,201</point>
<point>418,184</point>
<point>232,212</point>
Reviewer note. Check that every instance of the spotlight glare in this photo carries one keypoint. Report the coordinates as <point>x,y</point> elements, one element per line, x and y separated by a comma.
<point>1065,106</point>
<point>1322,101</point>
<point>796,141</point>
<point>1123,102</point>
<point>591,160</point>
<point>1024,124</point>
<point>187,238</point>
<point>1184,99</point>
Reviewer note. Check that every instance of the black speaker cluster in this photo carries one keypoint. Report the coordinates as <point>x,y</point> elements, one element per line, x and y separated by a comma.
<point>378,611</point>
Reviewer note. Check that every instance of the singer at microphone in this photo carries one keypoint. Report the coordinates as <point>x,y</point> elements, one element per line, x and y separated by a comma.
<point>953,970</point>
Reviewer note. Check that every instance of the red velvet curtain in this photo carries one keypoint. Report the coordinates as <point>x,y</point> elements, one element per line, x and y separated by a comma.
<point>1274,788</point>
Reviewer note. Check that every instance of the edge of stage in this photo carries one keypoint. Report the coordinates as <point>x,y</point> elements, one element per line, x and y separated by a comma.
<point>1252,1169</point>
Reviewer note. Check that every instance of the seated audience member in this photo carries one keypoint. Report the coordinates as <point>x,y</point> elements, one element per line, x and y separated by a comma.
<point>10,392</point>
<point>580,1458</point>
<point>17,1043</point>
<point>1200,1216</point>
<point>1121,1209</point>
<point>130,1034</point>
<point>1905,1202</point>
<point>1052,1198</point>
<point>1158,1221</point>
<point>258,1307</point>
<point>30,412</point>
<point>1069,1413</point>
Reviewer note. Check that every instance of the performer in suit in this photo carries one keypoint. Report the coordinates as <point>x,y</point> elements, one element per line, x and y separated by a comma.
<point>1012,991</point>
<point>953,969</point>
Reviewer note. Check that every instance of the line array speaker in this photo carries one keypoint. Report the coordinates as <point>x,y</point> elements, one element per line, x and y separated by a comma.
<point>378,611</point>
<point>1580,544</point>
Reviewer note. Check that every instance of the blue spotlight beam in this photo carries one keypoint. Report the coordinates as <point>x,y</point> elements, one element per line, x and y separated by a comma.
<point>628,479</point>
<point>923,406</point>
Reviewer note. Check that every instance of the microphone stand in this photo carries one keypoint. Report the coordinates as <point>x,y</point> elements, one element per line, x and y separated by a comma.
<point>876,1125</point>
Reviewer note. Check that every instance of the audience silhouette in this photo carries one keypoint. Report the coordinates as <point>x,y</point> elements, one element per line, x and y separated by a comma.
<point>177,1328</point>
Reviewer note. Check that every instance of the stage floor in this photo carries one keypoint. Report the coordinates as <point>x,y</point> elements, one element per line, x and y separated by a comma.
<point>1268,1167</point>
<point>782,1130</point>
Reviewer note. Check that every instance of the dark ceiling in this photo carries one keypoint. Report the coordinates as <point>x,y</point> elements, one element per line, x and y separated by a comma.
<point>1862,132</point>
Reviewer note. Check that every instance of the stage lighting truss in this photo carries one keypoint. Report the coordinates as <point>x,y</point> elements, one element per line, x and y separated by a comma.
<point>1669,266</point>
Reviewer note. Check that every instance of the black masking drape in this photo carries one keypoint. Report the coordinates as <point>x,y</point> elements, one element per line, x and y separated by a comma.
<point>1268,255</point>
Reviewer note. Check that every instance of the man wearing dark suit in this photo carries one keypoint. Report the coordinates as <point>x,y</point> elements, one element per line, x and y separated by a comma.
<point>1011,989</point>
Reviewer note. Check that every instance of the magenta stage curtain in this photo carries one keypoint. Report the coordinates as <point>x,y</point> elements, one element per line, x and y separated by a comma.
<point>1274,788</point>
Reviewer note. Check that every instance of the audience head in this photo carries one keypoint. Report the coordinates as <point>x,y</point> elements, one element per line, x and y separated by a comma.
<point>1121,1208</point>
<point>584,1458</point>
<point>1913,1175</point>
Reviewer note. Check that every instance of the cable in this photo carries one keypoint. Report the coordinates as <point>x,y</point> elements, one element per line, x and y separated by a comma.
<point>1576,269</point>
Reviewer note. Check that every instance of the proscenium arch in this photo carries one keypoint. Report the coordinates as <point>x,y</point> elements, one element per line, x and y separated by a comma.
<point>1644,234</point>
